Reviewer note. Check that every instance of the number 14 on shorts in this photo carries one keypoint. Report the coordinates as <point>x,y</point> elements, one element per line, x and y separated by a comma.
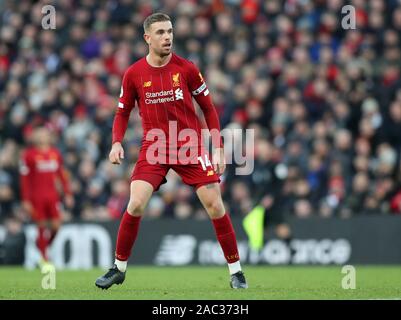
<point>205,162</point>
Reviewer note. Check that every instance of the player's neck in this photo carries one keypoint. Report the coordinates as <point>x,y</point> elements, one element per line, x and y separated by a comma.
<point>43,147</point>
<point>158,61</point>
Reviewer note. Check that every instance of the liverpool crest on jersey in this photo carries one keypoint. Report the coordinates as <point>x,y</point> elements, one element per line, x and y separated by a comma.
<point>176,80</point>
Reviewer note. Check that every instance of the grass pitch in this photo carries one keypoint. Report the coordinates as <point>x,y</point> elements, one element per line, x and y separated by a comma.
<point>200,283</point>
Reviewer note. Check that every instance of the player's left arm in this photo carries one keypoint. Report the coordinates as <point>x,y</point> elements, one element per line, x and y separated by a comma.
<point>200,92</point>
<point>65,181</point>
<point>26,168</point>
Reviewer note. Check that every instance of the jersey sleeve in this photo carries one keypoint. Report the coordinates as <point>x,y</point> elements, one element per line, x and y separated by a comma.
<point>63,175</point>
<point>25,171</point>
<point>200,92</point>
<point>196,83</point>
<point>126,103</point>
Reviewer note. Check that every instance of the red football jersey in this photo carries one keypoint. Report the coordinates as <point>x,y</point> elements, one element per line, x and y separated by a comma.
<point>39,170</point>
<point>164,98</point>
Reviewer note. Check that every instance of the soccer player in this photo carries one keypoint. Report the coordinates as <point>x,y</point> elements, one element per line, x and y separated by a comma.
<point>163,85</point>
<point>41,173</point>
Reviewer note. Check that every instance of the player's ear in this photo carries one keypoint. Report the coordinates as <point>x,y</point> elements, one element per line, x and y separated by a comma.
<point>147,38</point>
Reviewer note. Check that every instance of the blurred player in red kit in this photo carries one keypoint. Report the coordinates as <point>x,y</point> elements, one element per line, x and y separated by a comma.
<point>163,85</point>
<point>42,173</point>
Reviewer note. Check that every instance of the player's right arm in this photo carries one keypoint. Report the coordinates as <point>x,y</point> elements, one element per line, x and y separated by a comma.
<point>25,169</point>
<point>201,94</point>
<point>65,181</point>
<point>125,105</point>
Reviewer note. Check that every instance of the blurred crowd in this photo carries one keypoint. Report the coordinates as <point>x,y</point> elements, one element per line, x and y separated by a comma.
<point>324,102</point>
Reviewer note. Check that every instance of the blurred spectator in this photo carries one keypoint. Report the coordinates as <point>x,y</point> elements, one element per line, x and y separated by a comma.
<point>119,199</point>
<point>325,103</point>
<point>355,201</point>
<point>12,249</point>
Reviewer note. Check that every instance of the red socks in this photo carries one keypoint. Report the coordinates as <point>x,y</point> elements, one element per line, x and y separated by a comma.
<point>44,240</point>
<point>226,236</point>
<point>126,236</point>
<point>41,242</point>
<point>53,234</point>
<point>129,227</point>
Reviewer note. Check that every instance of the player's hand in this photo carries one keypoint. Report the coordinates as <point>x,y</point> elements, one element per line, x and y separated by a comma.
<point>27,206</point>
<point>267,201</point>
<point>116,153</point>
<point>69,201</point>
<point>219,161</point>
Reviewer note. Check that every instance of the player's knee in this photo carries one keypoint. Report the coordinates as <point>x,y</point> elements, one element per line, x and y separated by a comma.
<point>136,207</point>
<point>55,225</point>
<point>41,224</point>
<point>215,208</point>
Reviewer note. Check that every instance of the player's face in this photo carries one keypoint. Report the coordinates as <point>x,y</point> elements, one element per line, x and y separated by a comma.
<point>160,38</point>
<point>43,137</point>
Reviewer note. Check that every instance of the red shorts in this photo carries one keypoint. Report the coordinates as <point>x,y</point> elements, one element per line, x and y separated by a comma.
<point>195,175</point>
<point>44,209</point>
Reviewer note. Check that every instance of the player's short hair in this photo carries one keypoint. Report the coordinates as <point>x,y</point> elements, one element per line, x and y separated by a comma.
<point>155,17</point>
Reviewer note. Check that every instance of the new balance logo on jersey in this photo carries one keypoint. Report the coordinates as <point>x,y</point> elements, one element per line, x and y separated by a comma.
<point>179,95</point>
